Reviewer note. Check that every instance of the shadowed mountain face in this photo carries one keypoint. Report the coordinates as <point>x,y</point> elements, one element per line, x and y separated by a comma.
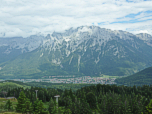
<point>86,50</point>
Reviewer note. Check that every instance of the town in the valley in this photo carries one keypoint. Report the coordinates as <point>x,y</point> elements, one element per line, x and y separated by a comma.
<point>71,79</point>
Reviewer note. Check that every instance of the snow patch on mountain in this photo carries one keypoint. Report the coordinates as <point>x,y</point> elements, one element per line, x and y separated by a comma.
<point>85,29</point>
<point>70,60</point>
<point>96,61</point>
<point>66,38</point>
<point>41,55</point>
<point>116,52</point>
<point>56,61</point>
<point>79,58</point>
<point>67,52</point>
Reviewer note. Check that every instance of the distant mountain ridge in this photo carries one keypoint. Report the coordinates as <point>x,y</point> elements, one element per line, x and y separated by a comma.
<point>86,50</point>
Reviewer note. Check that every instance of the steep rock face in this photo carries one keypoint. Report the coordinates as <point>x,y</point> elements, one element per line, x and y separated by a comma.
<point>86,50</point>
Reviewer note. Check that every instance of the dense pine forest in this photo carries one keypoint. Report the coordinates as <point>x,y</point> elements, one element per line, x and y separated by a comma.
<point>97,99</point>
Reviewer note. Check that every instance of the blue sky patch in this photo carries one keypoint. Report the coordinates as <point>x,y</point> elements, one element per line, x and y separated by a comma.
<point>132,16</point>
<point>101,23</point>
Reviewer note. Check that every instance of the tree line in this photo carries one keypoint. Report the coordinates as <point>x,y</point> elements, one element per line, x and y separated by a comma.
<point>103,99</point>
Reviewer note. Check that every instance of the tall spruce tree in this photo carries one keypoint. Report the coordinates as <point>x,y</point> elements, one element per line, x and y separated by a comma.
<point>85,108</point>
<point>73,108</point>
<point>71,95</point>
<point>21,102</point>
<point>91,99</point>
<point>39,107</point>
<point>28,107</point>
<point>68,101</point>
<point>52,106</point>
<point>66,93</point>
<point>36,107</point>
<point>8,105</point>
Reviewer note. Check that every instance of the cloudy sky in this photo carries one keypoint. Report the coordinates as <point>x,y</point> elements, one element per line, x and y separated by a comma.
<point>29,17</point>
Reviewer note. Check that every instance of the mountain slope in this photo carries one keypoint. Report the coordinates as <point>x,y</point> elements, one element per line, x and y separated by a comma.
<point>86,50</point>
<point>12,47</point>
<point>143,77</point>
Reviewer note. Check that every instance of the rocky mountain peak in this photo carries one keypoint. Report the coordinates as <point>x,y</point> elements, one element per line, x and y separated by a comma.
<point>144,36</point>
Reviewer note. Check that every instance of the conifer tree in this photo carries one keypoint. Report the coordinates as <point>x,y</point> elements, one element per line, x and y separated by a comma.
<point>41,108</point>
<point>67,111</point>
<point>66,93</point>
<point>73,108</point>
<point>71,95</point>
<point>21,102</point>
<point>85,108</point>
<point>128,111</point>
<point>83,96</point>
<point>52,106</point>
<point>36,107</point>
<point>90,97</point>
<point>149,107</point>
<point>28,107</point>
<point>8,105</point>
<point>33,98</point>
<point>68,101</point>
<point>103,105</point>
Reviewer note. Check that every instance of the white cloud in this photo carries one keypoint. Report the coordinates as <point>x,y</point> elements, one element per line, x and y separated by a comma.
<point>142,31</point>
<point>26,17</point>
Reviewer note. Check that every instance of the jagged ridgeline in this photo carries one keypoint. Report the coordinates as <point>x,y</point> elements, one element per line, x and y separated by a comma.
<point>85,50</point>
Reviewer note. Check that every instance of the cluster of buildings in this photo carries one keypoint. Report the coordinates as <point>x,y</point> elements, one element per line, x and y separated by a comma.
<point>84,79</point>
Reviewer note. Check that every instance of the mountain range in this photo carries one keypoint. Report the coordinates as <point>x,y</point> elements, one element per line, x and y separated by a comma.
<point>85,50</point>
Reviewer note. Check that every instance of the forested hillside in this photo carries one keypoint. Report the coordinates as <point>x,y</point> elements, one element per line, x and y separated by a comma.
<point>5,86</point>
<point>102,99</point>
<point>143,77</point>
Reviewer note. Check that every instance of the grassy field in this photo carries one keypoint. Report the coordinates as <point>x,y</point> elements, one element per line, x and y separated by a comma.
<point>107,76</point>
